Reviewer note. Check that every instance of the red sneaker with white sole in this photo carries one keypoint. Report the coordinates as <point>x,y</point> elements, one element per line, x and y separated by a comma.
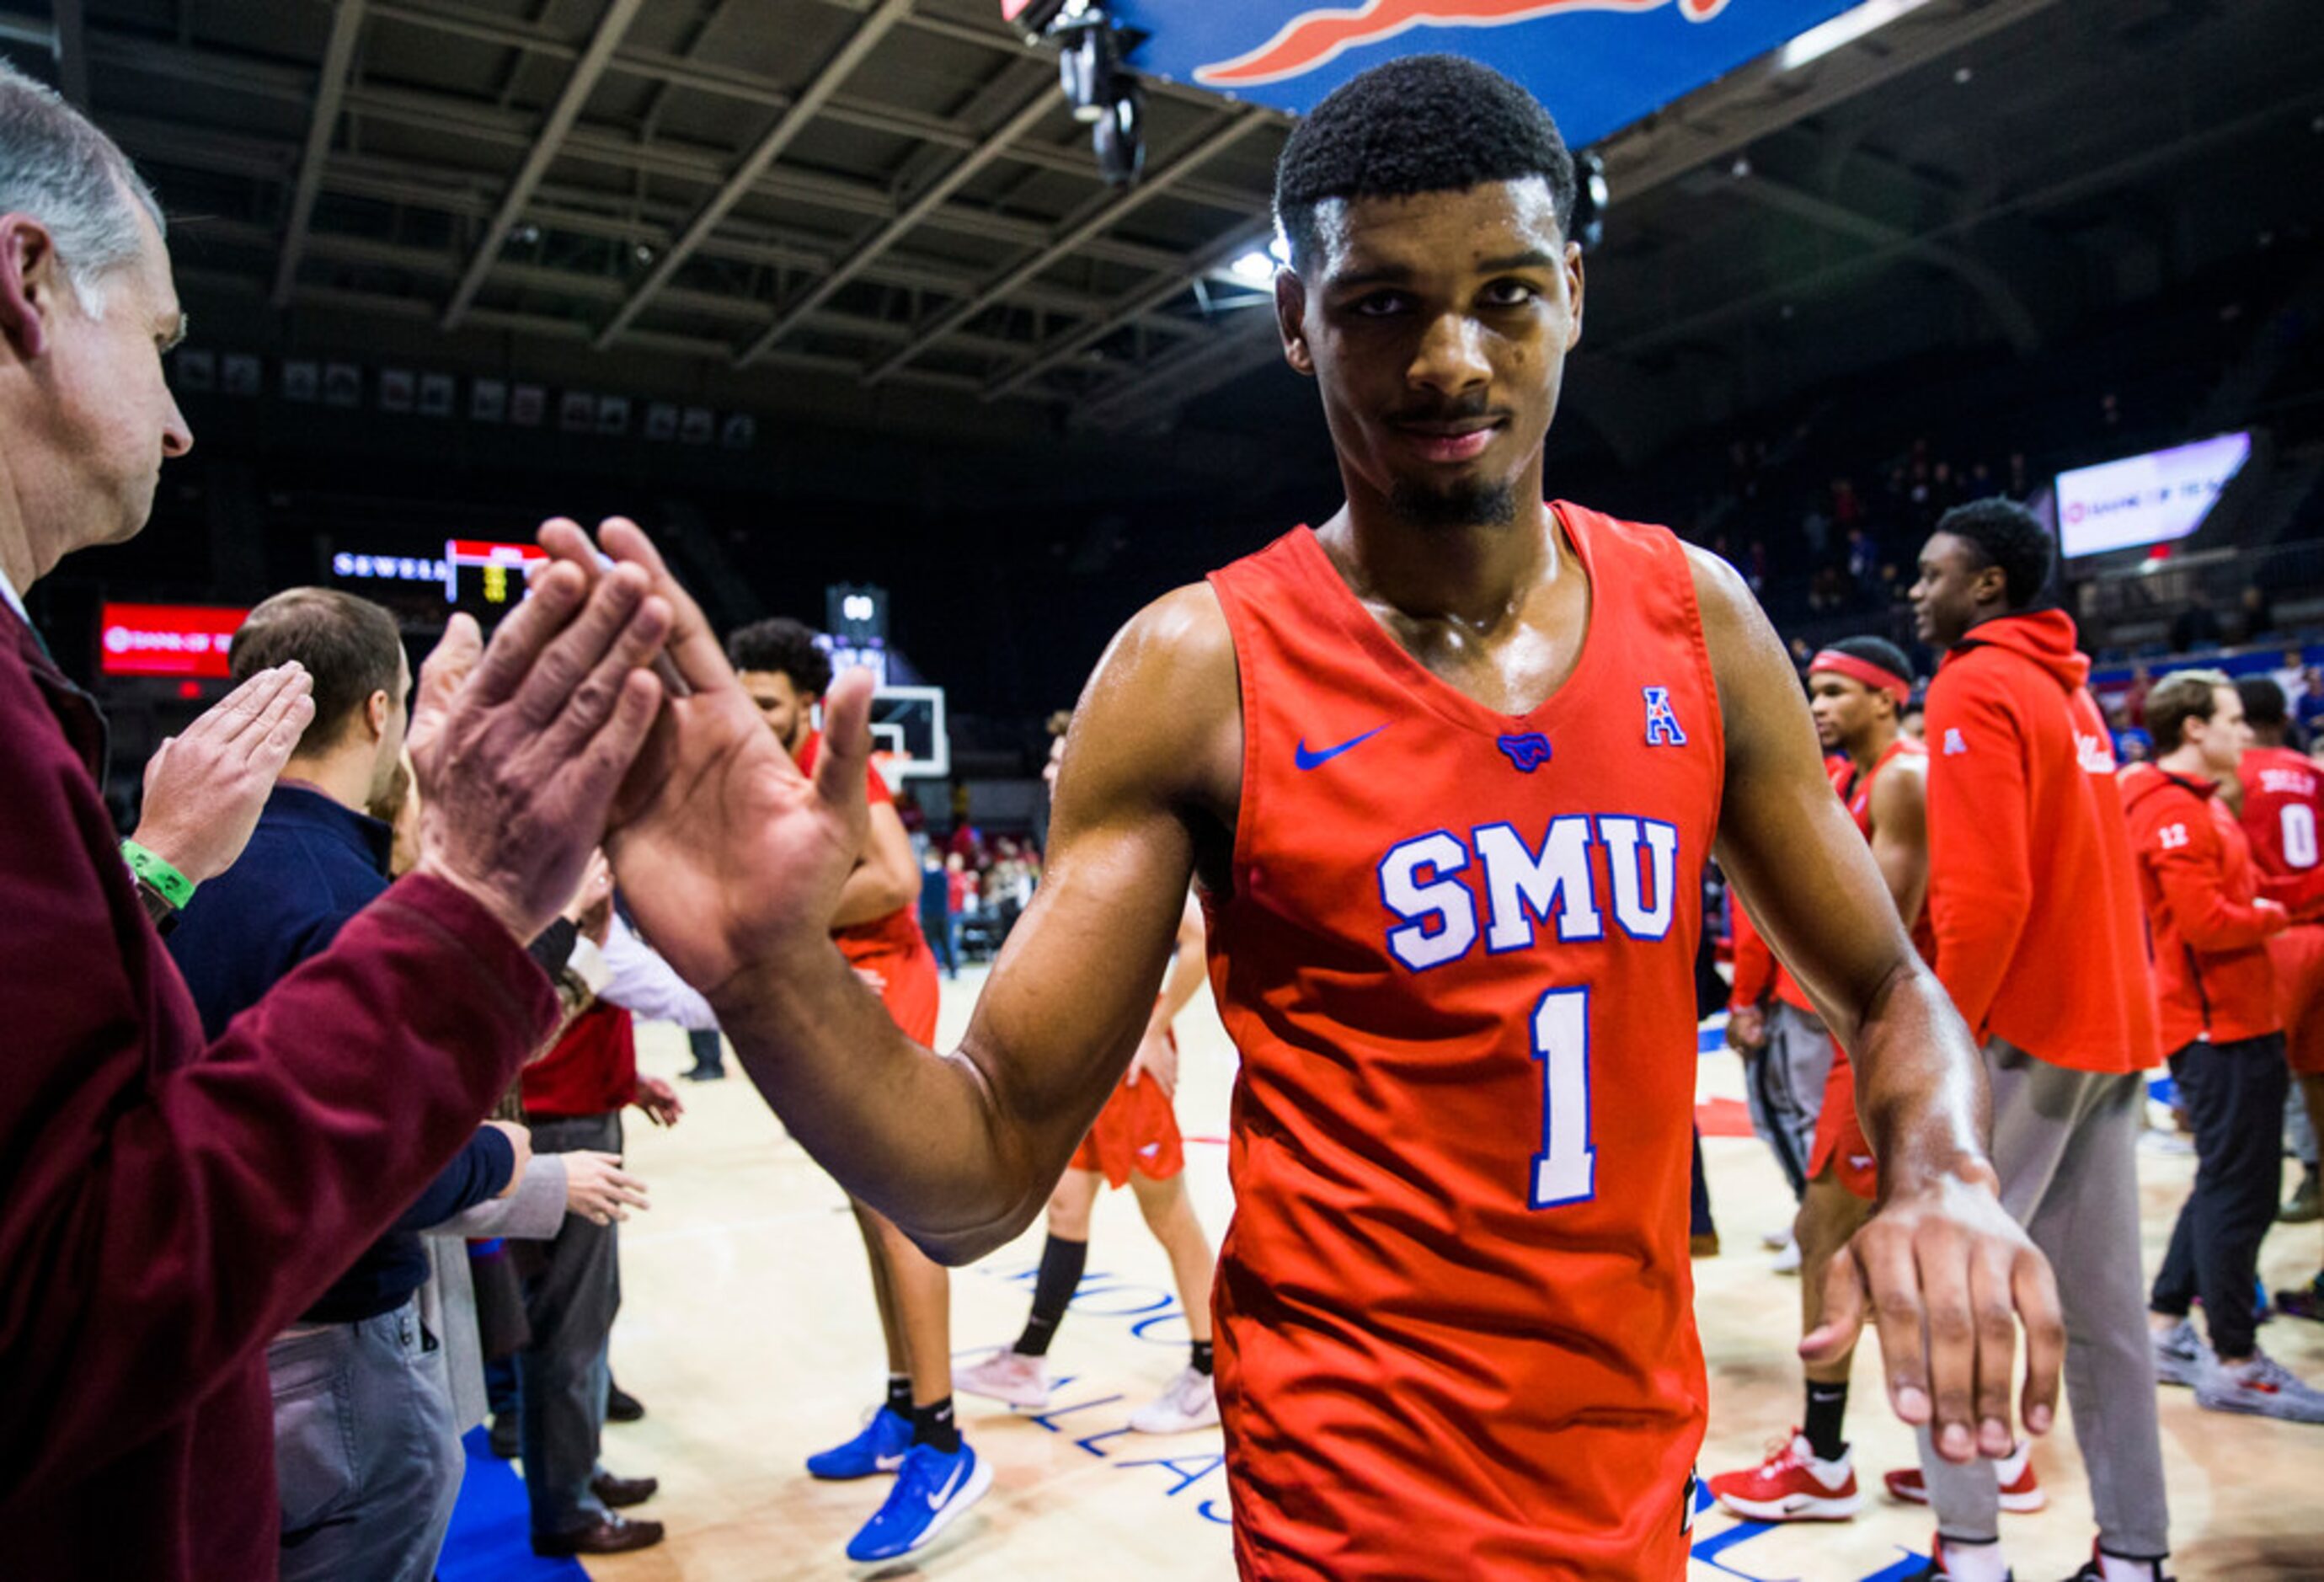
<point>1792,1485</point>
<point>2019,1491</point>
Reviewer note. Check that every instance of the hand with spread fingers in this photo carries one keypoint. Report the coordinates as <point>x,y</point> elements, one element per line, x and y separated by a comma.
<point>726,852</point>
<point>520,745</point>
<point>205,788</point>
<point>1946,1277</point>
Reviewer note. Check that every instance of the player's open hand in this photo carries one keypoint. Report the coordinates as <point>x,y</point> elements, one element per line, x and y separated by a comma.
<point>726,851</point>
<point>1947,1276</point>
<point>204,789</point>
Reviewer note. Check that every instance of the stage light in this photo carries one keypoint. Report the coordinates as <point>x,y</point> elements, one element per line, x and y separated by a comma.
<point>1120,137</point>
<point>1087,65</point>
<point>1256,269</point>
<point>1591,198</point>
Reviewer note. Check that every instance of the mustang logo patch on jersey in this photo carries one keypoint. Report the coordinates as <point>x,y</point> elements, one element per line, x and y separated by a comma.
<point>1528,751</point>
<point>1662,720</point>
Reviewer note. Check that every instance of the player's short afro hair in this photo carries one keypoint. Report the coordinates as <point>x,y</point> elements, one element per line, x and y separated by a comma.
<point>781,643</point>
<point>2264,704</point>
<point>1417,124</point>
<point>2007,535</point>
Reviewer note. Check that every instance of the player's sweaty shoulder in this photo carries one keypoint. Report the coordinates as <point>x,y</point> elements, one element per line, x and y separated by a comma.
<point>1747,657</point>
<point>1162,710</point>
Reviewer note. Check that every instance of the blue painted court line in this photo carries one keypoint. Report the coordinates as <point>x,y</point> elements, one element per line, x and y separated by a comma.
<point>491,1539</point>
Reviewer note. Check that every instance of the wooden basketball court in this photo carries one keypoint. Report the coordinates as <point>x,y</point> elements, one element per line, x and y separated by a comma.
<point>747,1326</point>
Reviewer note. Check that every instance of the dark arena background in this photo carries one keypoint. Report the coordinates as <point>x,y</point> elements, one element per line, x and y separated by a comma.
<point>952,335</point>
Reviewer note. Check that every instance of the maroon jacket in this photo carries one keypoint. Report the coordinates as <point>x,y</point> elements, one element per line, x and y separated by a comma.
<point>166,1208</point>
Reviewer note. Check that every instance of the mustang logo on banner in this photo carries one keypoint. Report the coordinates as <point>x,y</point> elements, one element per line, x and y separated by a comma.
<point>1598,64</point>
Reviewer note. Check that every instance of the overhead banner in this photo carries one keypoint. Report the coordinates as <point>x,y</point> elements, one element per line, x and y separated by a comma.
<point>1598,64</point>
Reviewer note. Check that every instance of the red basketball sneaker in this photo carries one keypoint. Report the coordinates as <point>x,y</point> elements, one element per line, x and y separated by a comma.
<point>2019,1492</point>
<point>1792,1485</point>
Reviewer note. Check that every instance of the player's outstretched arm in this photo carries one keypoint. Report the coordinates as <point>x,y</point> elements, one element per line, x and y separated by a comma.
<point>734,861</point>
<point>1940,1255</point>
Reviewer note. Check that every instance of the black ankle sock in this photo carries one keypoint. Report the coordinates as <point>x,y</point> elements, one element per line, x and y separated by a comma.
<point>1200,1360</point>
<point>933,1425</point>
<point>1062,1262</point>
<point>1827,1416</point>
<point>899,1395</point>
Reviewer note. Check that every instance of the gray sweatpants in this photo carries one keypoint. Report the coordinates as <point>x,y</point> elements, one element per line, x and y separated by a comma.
<point>1783,1088</point>
<point>2065,1144</point>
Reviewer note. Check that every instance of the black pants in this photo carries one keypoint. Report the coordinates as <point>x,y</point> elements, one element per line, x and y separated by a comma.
<point>2235,1095</point>
<point>571,1292</point>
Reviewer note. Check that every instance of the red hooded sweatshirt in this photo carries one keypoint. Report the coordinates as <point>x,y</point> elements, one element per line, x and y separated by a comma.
<point>2031,888</point>
<point>2203,911</point>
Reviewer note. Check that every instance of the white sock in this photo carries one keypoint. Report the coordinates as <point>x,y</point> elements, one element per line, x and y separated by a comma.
<point>2115,1568</point>
<point>1978,1562</point>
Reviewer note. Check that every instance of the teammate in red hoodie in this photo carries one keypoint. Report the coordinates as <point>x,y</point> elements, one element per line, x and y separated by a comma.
<point>2034,901</point>
<point>2210,925</point>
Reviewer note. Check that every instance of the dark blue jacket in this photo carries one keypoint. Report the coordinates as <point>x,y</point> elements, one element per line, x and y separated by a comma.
<point>311,865</point>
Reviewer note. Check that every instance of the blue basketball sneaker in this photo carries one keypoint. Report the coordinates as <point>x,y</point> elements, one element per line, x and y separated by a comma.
<point>880,1448</point>
<point>934,1487</point>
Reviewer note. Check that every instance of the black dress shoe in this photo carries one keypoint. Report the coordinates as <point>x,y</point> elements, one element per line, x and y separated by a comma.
<point>503,1436</point>
<point>615,1535</point>
<point>621,1493</point>
<point>620,1406</point>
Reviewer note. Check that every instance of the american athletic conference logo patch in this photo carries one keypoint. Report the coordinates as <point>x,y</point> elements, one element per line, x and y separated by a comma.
<point>1662,720</point>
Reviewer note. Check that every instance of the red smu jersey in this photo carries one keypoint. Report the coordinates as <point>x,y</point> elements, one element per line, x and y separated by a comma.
<point>891,948</point>
<point>2283,799</point>
<point>1455,1328</point>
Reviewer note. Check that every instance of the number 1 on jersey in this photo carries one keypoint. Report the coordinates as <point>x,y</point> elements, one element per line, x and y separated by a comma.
<point>1565,1171</point>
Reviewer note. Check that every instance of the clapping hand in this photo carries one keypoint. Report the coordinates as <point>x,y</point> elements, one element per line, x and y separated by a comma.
<point>204,788</point>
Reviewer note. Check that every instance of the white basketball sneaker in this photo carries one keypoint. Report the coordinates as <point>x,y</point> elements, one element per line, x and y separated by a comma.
<point>1191,1401</point>
<point>1010,1376</point>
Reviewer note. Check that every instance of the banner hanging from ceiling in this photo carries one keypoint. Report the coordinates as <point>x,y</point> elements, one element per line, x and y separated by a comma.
<point>1598,64</point>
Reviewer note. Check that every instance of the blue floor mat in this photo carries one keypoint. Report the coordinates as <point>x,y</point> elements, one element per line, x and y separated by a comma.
<point>490,1537</point>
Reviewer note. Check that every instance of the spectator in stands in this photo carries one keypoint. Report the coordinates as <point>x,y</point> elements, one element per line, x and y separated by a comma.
<point>2033,896</point>
<point>2255,617</point>
<point>2019,485</point>
<point>2133,697</point>
<point>935,911</point>
<point>960,899</point>
<point>2210,925</point>
<point>2196,626</point>
<point>365,1453</point>
<point>2309,708</point>
<point>172,1204</point>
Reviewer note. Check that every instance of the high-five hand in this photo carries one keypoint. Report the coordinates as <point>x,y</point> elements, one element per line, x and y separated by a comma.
<point>726,852</point>
<point>520,746</point>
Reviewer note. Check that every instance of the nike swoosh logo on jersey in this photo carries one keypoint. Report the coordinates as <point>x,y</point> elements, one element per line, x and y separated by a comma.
<point>960,1470</point>
<point>1308,760</point>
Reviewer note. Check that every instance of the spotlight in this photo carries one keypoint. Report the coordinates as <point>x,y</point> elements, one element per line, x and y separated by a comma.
<point>1256,269</point>
<point>1088,65</point>
<point>1591,198</point>
<point>1120,136</point>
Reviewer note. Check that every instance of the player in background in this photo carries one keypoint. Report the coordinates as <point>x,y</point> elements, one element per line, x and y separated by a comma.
<point>1787,1059</point>
<point>1135,1141</point>
<point>913,1433</point>
<point>2210,924</point>
<point>2282,813</point>
<point>2034,899</point>
<point>1856,690</point>
<point>1449,769</point>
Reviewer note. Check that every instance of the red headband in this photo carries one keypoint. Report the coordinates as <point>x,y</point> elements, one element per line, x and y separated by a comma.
<point>1879,678</point>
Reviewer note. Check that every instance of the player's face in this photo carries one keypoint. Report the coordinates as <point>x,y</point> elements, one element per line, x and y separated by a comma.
<point>2228,734</point>
<point>1843,708</point>
<point>1437,327</point>
<point>780,705</point>
<point>1946,595</point>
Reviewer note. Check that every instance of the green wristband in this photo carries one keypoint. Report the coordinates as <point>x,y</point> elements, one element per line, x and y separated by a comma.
<point>155,870</point>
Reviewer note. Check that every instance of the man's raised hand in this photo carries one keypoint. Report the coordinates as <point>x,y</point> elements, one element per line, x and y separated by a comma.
<point>204,790</point>
<point>728,853</point>
<point>520,745</point>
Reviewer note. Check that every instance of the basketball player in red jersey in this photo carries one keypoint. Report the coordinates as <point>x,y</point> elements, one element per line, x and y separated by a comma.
<point>2282,810</point>
<point>1857,692</point>
<point>913,1433</point>
<point>1135,1142</point>
<point>1447,770</point>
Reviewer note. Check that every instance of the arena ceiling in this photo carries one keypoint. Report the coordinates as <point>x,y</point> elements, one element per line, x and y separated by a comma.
<point>881,210</point>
